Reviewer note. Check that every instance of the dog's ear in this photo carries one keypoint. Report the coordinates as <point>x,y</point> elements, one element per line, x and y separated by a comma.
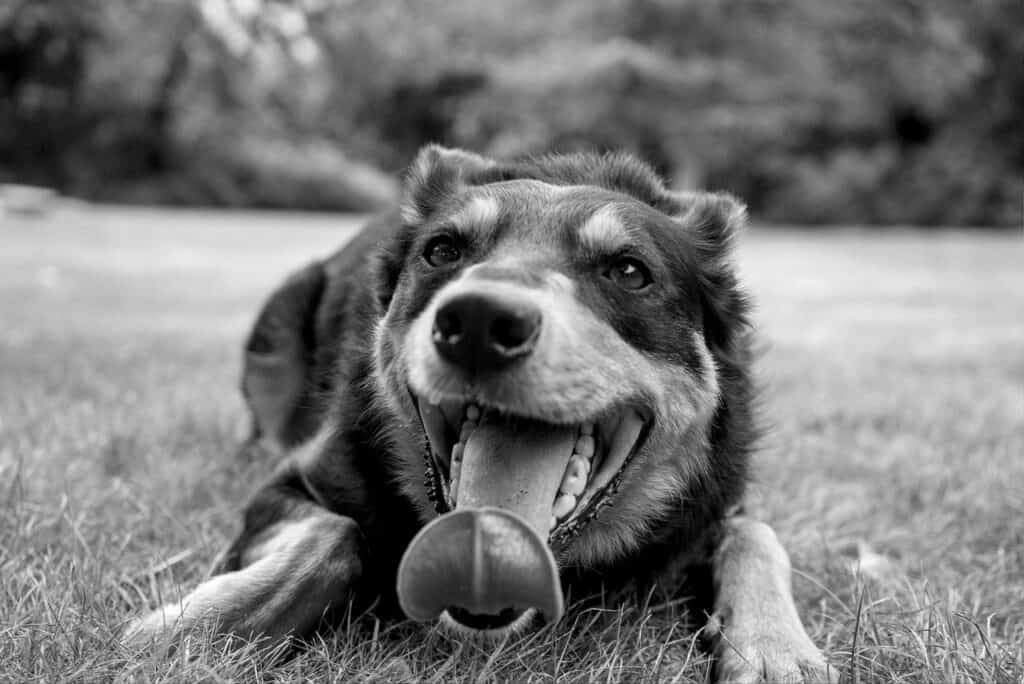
<point>436,174</point>
<point>715,221</point>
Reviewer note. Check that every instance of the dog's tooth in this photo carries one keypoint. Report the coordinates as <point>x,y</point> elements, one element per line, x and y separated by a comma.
<point>456,469</point>
<point>564,505</point>
<point>467,428</point>
<point>553,524</point>
<point>585,446</point>
<point>575,479</point>
<point>587,429</point>
<point>472,412</point>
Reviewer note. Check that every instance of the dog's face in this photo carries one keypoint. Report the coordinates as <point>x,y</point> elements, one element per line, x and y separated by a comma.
<point>551,340</point>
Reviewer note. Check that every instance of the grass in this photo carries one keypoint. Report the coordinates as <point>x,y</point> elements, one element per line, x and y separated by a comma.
<point>895,374</point>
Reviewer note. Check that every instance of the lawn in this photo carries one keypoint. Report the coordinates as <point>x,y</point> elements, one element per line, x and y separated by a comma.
<point>893,366</point>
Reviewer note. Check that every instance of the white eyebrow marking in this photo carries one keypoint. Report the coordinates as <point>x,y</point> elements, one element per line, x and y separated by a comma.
<point>480,212</point>
<point>603,228</point>
<point>559,282</point>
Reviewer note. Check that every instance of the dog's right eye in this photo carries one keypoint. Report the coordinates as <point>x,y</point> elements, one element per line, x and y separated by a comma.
<point>441,251</point>
<point>630,274</point>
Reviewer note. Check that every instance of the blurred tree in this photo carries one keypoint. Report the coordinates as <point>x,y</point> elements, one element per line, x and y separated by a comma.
<point>866,111</point>
<point>44,50</point>
<point>998,31</point>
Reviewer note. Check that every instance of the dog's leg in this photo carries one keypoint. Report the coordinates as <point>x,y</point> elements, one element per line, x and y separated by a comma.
<point>295,562</point>
<point>760,637</point>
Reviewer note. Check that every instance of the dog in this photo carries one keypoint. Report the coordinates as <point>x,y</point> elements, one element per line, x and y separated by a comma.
<point>534,379</point>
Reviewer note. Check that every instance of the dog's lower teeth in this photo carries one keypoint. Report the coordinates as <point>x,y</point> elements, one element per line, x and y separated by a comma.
<point>575,479</point>
<point>564,505</point>
<point>585,446</point>
<point>456,468</point>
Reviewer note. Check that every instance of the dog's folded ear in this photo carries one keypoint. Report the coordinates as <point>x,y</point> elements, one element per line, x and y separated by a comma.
<point>715,219</point>
<point>436,174</point>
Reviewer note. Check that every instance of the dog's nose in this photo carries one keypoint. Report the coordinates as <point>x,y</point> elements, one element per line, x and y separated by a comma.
<point>480,332</point>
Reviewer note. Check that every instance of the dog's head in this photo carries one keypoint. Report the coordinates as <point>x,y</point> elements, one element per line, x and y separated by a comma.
<point>550,330</point>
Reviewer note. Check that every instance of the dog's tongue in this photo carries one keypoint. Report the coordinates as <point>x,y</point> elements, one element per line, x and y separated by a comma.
<point>515,465</point>
<point>491,553</point>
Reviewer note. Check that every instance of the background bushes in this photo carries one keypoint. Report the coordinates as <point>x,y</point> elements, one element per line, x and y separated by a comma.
<point>867,111</point>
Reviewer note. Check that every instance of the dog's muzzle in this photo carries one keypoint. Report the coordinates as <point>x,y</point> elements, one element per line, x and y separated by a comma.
<point>519,484</point>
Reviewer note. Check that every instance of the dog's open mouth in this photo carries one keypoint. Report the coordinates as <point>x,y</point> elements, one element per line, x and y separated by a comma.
<point>512,488</point>
<point>572,468</point>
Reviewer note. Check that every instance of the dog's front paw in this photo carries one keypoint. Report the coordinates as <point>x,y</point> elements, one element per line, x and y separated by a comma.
<point>749,652</point>
<point>143,631</point>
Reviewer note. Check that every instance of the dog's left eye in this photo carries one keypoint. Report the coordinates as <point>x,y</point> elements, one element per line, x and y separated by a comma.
<point>441,250</point>
<point>630,274</point>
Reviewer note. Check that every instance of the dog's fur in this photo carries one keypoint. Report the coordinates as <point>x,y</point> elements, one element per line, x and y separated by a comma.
<point>338,347</point>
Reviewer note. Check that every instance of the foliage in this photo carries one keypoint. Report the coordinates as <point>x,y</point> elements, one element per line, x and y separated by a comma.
<point>873,111</point>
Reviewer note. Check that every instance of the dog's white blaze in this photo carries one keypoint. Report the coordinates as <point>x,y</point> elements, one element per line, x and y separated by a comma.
<point>603,230</point>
